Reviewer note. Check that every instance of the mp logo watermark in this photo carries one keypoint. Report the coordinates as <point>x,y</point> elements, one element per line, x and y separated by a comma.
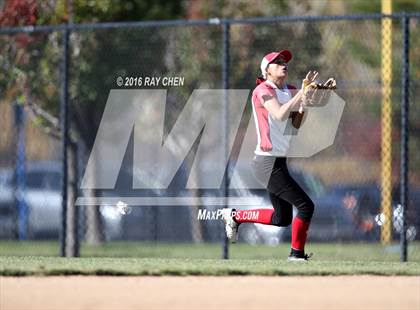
<point>211,121</point>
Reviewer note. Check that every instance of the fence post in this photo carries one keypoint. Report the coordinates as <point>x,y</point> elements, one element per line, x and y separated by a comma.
<point>19,178</point>
<point>386,124</point>
<point>64,137</point>
<point>225,85</point>
<point>404,135</point>
<point>72,225</point>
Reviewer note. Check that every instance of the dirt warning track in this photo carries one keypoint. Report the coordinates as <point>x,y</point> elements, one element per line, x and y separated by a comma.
<point>233,292</point>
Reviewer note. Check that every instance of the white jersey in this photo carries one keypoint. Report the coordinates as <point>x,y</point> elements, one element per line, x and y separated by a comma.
<point>272,140</point>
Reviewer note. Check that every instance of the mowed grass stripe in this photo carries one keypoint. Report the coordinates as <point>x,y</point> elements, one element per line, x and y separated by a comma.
<point>31,265</point>
<point>323,251</point>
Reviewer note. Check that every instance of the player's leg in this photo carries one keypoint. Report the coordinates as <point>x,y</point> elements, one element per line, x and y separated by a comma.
<point>233,218</point>
<point>282,185</point>
<point>261,167</point>
<point>300,225</point>
<point>280,215</point>
<point>283,211</point>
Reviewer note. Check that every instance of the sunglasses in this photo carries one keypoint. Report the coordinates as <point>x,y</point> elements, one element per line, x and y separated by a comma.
<point>279,61</point>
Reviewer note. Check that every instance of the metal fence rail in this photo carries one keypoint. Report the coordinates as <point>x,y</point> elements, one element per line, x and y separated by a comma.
<point>211,21</point>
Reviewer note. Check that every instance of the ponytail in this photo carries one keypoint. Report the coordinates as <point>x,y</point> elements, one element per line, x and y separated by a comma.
<point>259,80</point>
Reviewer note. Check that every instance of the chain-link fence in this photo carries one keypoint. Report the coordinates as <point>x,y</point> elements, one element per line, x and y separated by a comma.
<point>63,72</point>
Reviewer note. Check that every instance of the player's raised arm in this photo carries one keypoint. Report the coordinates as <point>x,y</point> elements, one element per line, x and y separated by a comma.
<point>282,111</point>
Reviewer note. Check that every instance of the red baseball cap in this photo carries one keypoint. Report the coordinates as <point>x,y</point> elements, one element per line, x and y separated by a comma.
<point>267,59</point>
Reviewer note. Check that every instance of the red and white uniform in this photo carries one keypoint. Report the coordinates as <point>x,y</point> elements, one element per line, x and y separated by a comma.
<point>270,132</point>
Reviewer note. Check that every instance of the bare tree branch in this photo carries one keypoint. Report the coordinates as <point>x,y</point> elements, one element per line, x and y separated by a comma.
<point>48,129</point>
<point>46,116</point>
<point>51,125</point>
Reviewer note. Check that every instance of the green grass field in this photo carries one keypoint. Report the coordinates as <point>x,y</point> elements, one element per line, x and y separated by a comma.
<point>137,258</point>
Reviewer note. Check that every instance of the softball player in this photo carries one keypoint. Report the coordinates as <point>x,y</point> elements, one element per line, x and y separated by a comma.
<point>273,102</point>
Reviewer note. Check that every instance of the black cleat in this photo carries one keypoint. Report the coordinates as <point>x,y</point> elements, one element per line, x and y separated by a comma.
<point>298,256</point>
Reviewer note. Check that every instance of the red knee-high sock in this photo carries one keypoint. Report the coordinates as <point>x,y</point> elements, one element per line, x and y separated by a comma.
<point>299,233</point>
<point>262,216</point>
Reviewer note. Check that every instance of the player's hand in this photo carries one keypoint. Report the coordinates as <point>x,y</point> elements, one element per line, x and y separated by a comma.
<point>310,78</point>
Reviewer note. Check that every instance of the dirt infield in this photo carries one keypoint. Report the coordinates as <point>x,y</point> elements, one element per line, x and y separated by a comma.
<point>249,292</point>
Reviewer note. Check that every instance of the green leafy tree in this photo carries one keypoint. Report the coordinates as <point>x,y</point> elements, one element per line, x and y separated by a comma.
<point>30,63</point>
